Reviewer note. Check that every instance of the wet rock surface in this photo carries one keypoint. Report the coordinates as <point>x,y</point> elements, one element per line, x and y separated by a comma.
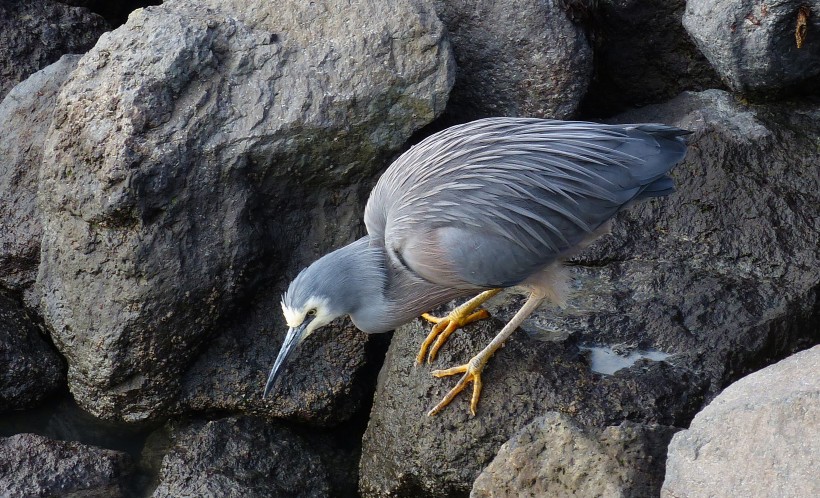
<point>30,368</point>
<point>36,466</point>
<point>758,48</point>
<point>240,457</point>
<point>553,456</point>
<point>515,58</point>
<point>759,437</point>
<point>190,146</point>
<point>35,33</point>
<point>723,275</point>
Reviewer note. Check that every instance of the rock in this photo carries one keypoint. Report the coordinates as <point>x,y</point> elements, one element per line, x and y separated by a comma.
<point>194,150</point>
<point>34,34</point>
<point>553,456</point>
<point>759,437</point>
<point>115,13</point>
<point>25,117</point>
<point>515,58</point>
<point>723,276</point>
<point>31,370</point>
<point>31,465</point>
<point>240,457</point>
<point>634,71</point>
<point>754,46</point>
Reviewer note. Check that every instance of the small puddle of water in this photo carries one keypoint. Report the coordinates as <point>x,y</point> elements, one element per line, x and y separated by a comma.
<point>606,360</point>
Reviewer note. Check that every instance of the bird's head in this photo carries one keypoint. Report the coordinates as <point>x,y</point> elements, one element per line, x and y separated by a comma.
<point>335,285</point>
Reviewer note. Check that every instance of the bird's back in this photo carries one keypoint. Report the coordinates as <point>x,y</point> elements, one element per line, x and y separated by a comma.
<point>487,203</point>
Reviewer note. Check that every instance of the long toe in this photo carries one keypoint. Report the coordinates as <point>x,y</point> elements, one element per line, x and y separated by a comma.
<point>472,373</point>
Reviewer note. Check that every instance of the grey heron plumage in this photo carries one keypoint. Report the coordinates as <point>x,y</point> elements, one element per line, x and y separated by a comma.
<point>489,204</point>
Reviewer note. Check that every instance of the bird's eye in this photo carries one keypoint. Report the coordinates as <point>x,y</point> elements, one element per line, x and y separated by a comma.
<point>311,312</point>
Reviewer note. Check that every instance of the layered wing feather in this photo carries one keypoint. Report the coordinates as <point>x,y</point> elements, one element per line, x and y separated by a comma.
<point>488,203</point>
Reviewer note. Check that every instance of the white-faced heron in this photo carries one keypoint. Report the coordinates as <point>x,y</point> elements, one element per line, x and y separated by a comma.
<point>478,207</point>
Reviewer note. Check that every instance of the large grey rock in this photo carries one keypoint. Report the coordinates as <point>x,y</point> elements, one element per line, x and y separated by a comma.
<point>241,457</point>
<point>759,437</point>
<point>723,276</point>
<point>515,58</point>
<point>25,117</point>
<point>35,33</point>
<point>553,456</point>
<point>30,369</point>
<point>35,466</point>
<point>194,150</point>
<point>754,45</point>
<point>643,55</point>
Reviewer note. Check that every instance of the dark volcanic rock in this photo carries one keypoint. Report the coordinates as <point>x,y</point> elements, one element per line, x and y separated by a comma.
<point>25,117</point>
<point>30,369</point>
<point>35,33</point>
<point>643,55</point>
<point>759,437</point>
<point>515,58</point>
<point>31,465</point>
<point>240,458</point>
<point>194,149</point>
<point>755,46</point>
<point>553,456</point>
<point>723,275</point>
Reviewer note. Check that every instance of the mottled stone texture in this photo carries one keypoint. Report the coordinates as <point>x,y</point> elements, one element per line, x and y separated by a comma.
<point>553,456</point>
<point>196,148</point>
<point>515,58</point>
<point>759,437</point>
<point>35,33</point>
<point>34,466</point>
<point>239,458</point>
<point>754,45</point>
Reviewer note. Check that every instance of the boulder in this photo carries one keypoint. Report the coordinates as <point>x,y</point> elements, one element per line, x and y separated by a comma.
<point>553,456</point>
<point>759,48</point>
<point>240,457</point>
<point>31,369</point>
<point>194,151</point>
<point>515,58</point>
<point>35,33</point>
<point>25,117</point>
<point>721,278</point>
<point>636,70</point>
<point>759,437</point>
<point>35,466</point>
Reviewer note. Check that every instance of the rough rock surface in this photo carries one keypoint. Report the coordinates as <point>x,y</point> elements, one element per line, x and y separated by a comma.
<point>30,369</point>
<point>759,437</point>
<point>515,58</point>
<point>31,465</point>
<point>553,456</point>
<point>35,33</point>
<point>25,117</point>
<point>723,275</point>
<point>754,45</point>
<point>655,66</point>
<point>241,457</point>
<point>192,148</point>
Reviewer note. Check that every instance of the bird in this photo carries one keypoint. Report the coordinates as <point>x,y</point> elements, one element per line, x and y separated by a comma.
<point>473,209</point>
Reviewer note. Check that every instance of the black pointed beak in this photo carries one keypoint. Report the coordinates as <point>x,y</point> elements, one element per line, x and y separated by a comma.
<point>294,337</point>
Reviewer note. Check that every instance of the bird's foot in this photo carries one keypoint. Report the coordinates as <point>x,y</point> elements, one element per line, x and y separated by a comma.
<point>472,373</point>
<point>443,328</point>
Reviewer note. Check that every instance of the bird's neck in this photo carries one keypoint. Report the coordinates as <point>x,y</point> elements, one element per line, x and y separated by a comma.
<point>396,295</point>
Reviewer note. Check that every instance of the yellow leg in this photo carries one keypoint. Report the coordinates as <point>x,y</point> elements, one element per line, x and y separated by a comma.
<point>445,326</point>
<point>472,369</point>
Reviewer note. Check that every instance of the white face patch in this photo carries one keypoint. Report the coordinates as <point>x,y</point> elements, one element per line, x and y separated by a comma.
<point>295,317</point>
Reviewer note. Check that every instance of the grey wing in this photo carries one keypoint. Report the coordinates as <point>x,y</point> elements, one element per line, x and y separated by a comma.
<point>488,203</point>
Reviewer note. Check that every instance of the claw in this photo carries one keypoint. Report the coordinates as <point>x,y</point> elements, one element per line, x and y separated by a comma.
<point>442,330</point>
<point>472,373</point>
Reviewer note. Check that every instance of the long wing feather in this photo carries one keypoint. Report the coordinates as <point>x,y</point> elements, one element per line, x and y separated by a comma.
<point>488,203</point>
